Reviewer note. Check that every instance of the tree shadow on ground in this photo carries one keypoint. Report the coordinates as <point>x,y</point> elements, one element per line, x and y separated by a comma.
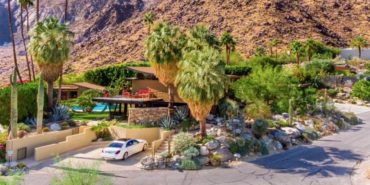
<point>311,160</point>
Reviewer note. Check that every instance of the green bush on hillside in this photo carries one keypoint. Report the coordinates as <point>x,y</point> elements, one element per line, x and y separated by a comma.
<point>27,94</point>
<point>105,76</point>
<point>361,89</point>
<point>240,70</point>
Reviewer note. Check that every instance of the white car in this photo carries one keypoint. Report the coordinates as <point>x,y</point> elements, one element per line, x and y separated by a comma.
<point>123,148</point>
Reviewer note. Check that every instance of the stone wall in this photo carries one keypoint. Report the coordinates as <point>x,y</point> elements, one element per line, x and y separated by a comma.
<point>146,115</point>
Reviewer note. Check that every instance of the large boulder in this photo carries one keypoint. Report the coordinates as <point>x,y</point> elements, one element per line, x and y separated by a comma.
<point>299,126</point>
<point>55,127</point>
<point>203,160</point>
<point>148,163</point>
<point>213,145</point>
<point>292,132</point>
<point>281,136</point>
<point>204,151</point>
<point>225,154</point>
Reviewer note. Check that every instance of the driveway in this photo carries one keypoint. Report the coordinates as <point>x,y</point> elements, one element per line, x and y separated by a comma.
<point>328,161</point>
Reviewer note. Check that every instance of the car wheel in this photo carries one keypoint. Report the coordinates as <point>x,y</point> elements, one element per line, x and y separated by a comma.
<point>145,147</point>
<point>125,156</point>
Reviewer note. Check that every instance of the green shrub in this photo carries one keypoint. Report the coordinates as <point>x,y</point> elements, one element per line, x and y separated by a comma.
<point>240,70</point>
<point>85,100</point>
<point>191,152</point>
<point>27,94</point>
<point>332,92</point>
<point>183,141</point>
<point>190,164</point>
<point>262,148</point>
<point>263,61</point>
<point>258,109</point>
<point>310,134</point>
<point>361,89</point>
<point>102,129</point>
<point>260,127</point>
<point>320,65</point>
<point>351,118</point>
<point>106,75</point>
<point>228,108</point>
<point>24,127</point>
<point>240,146</point>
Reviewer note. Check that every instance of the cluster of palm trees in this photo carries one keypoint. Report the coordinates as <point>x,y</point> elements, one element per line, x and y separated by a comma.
<point>190,63</point>
<point>49,46</point>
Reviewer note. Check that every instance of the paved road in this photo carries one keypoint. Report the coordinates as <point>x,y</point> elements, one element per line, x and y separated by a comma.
<point>328,161</point>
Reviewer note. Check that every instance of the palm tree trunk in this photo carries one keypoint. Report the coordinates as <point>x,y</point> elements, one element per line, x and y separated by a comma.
<point>13,42</point>
<point>359,52</point>
<point>271,52</point>
<point>28,29</point>
<point>297,58</point>
<point>171,95</point>
<point>227,55</point>
<point>50,94</point>
<point>60,86</point>
<point>37,10</point>
<point>203,132</point>
<point>25,47</point>
<point>66,11</point>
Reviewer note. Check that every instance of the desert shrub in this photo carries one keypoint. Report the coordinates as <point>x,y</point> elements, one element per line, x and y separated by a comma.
<point>259,127</point>
<point>262,147</point>
<point>24,127</point>
<point>235,57</point>
<point>60,113</point>
<point>332,92</point>
<point>102,129</point>
<point>319,65</point>
<point>258,109</point>
<point>27,94</point>
<point>85,100</point>
<point>215,159</point>
<point>228,108</point>
<point>13,179</point>
<point>240,146</point>
<point>263,61</point>
<point>190,164</point>
<point>106,75</point>
<point>191,152</point>
<point>167,123</point>
<point>361,89</point>
<point>45,129</point>
<point>310,134</point>
<point>80,174</point>
<point>183,141</point>
<point>351,118</point>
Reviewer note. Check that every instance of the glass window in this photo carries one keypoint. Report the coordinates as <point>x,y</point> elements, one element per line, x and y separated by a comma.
<point>115,145</point>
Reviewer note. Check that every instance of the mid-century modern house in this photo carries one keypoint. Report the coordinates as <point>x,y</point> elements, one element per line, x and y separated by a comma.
<point>74,90</point>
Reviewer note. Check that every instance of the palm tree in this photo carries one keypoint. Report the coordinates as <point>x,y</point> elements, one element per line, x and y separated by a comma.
<point>271,45</point>
<point>260,51</point>
<point>37,10</point>
<point>28,30</point>
<point>310,48</point>
<point>296,48</point>
<point>10,22</point>
<point>163,49</point>
<point>149,20</point>
<point>49,46</point>
<point>59,96</point>
<point>201,82</point>
<point>24,6</point>
<point>359,42</point>
<point>200,36</point>
<point>228,41</point>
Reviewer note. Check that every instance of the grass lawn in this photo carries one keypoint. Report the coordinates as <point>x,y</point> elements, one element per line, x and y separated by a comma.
<point>84,116</point>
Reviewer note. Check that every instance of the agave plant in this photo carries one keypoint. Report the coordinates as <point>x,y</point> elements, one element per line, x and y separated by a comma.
<point>181,113</point>
<point>30,121</point>
<point>167,123</point>
<point>60,113</point>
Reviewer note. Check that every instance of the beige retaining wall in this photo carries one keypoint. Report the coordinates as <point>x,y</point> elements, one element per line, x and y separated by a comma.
<point>146,115</point>
<point>34,141</point>
<point>148,134</point>
<point>73,142</point>
<point>164,134</point>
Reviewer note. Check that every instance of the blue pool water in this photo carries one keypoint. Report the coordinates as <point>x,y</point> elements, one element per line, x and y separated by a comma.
<point>98,108</point>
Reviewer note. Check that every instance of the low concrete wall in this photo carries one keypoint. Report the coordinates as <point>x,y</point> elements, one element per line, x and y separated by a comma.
<point>34,141</point>
<point>146,115</point>
<point>72,142</point>
<point>164,134</point>
<point>148,134</point>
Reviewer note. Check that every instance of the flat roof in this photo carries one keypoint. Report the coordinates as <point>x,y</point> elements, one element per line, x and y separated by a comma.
<point>90,86</point>
<point>67,87</point>
<point>143,70</point>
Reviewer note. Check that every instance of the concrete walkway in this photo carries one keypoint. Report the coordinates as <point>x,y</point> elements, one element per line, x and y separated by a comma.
<point>328,161</point>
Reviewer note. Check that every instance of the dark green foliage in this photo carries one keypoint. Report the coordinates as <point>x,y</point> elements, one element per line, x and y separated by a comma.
<point>332,92</point>
<point>27,94</point>
<point>228,108</point>
<point>318,65</point>
<point>86,99</point>
<point>105,76</point>
<point>310,134</point>
<point>190,164</point>
<point>361,89</point>
<point>240,146</point>
<point>259,127</point>
<point>240,70</point>
<point>262,147</point>
<point>263,61</point>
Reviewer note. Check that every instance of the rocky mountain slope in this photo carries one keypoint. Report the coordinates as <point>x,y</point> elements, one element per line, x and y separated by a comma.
<point>111,31</point>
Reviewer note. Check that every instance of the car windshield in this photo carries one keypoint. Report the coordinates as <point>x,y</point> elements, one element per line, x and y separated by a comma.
<point>115,145</point>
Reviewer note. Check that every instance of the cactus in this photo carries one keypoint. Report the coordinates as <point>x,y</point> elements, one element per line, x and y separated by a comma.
<point>290,112</point>
<point>13,105</point>
<point>40,106</point>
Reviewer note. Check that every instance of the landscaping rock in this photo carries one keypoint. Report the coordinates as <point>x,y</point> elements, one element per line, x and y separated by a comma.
<point>204,151</point>
<point>55,127</point>
<point>160,162</point>
<point>299,126</point>
<point>219,132</point>
<point>210,117</point>
<point>277,145</point>
<point>148,163</point>
<point>213,145</point>
<point>247,136</point>
<point>203,160</point>
<point>310,123</point>
<point>3,170</point>
<point>225,154</point>
<point>237,156</point>
<point>285,115</point>
<point>292,132</point>
<point>281,136</point>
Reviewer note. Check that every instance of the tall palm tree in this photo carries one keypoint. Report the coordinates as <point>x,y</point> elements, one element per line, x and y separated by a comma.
<point>59,96</point>
<point>49,46</point>
<point>37,10</point>
<point>296,48</point>
<point>228,41</point>
<point>271,45</point>
<point>10,22</point>
<point>28,30</point>
<point>200,36</point>
<point>163,49</point>
<point>359,42</point>
<point>149,20</point>
<point>24,6</point>
<point>201,82</point>
<point>310,47</point>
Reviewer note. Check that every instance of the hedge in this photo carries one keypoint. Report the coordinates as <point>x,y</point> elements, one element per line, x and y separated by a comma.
<point>361,89</point>
<point>240,70</point>
<point>105,76</point>
<point>27,94</point>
